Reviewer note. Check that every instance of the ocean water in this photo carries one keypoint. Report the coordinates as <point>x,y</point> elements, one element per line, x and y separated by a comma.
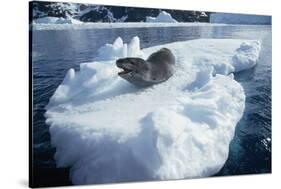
<point>56,51</point>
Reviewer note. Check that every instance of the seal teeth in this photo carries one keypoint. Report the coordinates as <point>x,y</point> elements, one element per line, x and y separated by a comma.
<point>125,71</point>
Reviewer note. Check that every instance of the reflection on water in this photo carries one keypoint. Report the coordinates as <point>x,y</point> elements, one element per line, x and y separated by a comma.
<point>54,52</point>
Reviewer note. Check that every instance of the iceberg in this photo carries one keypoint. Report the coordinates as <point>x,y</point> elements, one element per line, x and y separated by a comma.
<point>162,17</point>
<point>107,130</point>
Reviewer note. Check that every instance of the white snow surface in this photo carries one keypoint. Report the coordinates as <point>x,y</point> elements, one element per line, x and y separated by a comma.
<point>107,130</point>
<point>162,17</point>
<point>56,20</point>
<point>231,18</point>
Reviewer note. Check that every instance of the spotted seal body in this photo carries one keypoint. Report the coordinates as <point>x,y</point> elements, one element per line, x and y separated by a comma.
<point>156,69</point>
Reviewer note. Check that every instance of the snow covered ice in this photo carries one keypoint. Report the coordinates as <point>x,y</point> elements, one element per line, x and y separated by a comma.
<point>107,130</point>
<point>162,17</point>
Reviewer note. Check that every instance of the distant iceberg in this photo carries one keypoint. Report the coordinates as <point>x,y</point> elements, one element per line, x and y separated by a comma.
<point>107,130</point>
<point>230,18</point>
<point>162,17</point>
<point>56,20</point>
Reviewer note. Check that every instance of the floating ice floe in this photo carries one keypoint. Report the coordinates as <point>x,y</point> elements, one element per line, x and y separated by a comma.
<point>162,17</point>
<point>107,130</point>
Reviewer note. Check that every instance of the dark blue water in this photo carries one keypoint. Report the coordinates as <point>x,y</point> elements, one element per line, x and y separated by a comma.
<point>56,51</point>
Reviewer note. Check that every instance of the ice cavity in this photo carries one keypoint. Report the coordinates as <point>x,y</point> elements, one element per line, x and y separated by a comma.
<point>162,17</point>
<point>107,130</point>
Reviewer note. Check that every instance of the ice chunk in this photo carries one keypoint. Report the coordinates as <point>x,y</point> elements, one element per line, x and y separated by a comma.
<point>108,131</point>
<point>246,55</point>
<point>134,48</point>
<point>113,51</point>
<point>119,49</point>
<point>162,17</point>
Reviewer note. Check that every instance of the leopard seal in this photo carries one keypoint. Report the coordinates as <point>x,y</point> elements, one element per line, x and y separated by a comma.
<point>158,68</point>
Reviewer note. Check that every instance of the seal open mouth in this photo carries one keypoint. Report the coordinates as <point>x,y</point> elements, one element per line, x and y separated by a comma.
<point>124,71</point>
